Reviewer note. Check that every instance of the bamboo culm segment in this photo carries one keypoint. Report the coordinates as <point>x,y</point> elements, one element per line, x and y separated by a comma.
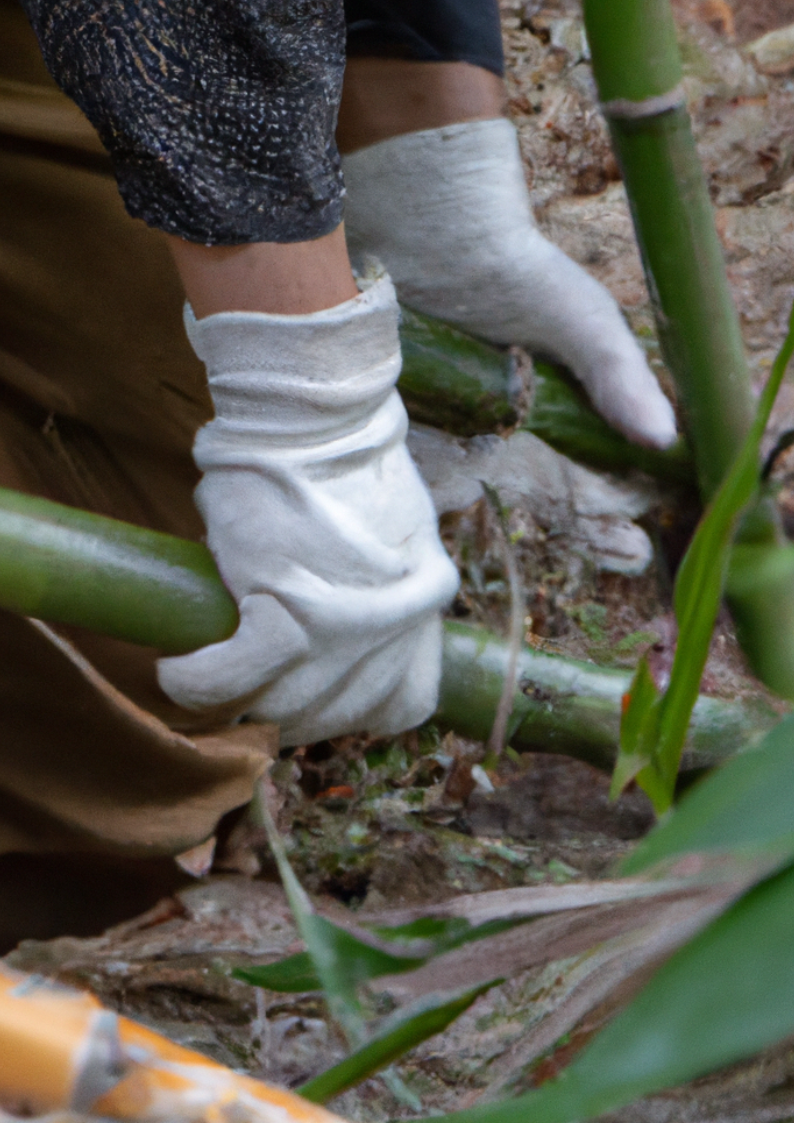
<point>634,48</point>
<point>453,381</point>
<point>573,708</point>
<point>698,327</point>
<point>68,566</point>
<point>635,62</point>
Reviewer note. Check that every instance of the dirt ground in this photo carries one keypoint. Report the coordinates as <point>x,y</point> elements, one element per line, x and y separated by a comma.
<point>371,826</point>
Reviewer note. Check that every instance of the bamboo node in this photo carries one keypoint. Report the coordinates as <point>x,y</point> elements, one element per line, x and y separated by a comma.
<point>623,109</point>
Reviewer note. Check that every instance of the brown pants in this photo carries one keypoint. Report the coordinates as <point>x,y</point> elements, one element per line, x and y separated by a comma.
<point>100,397</point>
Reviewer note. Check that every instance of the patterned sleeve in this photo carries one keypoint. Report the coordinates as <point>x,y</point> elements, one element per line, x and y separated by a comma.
<point>218,115</point>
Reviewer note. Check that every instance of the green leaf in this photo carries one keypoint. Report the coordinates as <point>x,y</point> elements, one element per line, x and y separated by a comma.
<point>755,563</point>
<point>746,807</point>
<point>724,996</point>
<point>293,975</point>
<point>440,932</point>
<point>333,973</point>
<point>639,728</point>
<point>356,962</point>
<point>561,415</point>
<point>434,935</point>
<point>698,595</point>
<point>395,1036</point>
<point>403,948</point>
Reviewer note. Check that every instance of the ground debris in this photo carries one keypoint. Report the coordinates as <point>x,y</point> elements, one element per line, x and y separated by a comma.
<point>415,821</point>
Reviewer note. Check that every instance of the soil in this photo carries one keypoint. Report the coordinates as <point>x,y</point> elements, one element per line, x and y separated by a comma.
<point>418,819</point>
<point>755,17</point>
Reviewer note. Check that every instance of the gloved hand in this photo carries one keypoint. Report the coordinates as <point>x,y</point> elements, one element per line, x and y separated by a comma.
<point>321,527</point>
<point>448,213</point>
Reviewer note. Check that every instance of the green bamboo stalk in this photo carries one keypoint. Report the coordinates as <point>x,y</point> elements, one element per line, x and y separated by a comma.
<point>561,415</point>
<point>69,566</point>
<point>569,707</point>
<point>453,381</point>
<point>638,72</point>
<point>461,384</point>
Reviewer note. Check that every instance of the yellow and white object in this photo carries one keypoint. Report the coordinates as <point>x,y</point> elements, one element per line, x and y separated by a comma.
<point>62,1052</point>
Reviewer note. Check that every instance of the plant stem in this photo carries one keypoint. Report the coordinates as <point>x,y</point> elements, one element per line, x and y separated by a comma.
<point>73,567</point>
<point>569,707</point>
<point>454,381</point>
<point>70,566</point>
<point>638,72</point>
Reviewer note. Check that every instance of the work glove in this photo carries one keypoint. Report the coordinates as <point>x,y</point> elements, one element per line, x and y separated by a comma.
<point>320,524</point>
<point>448,213</point>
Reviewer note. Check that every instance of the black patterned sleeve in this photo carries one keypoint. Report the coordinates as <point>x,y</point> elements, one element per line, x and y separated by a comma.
<point>219,115</point>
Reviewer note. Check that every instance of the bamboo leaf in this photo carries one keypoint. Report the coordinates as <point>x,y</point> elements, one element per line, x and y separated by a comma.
<point>336,976</point>
<point>356,962</point>
<point>293,975</point>
<point>395,1037</point>
<point>698,595</point>
<point>403,948</point>
<point>708,1006</point>
<point>437,935</point>
<point>639,729</point>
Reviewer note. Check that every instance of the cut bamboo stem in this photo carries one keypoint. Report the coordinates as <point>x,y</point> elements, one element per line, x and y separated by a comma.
<point>466,386</point>
<point>638,72</point>
<point>68,566</point>
<point>569,707</point>
<point>453,381</point>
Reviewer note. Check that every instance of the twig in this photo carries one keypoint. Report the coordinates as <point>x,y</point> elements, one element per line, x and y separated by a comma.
<point>496,741</point>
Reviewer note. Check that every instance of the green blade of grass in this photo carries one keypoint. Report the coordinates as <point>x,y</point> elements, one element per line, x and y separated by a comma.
<point>395,1037</point>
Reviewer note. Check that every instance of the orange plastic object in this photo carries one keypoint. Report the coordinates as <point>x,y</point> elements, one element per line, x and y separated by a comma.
<point>60,1049</point>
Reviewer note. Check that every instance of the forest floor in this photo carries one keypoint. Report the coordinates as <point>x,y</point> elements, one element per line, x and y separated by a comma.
<point>372,827</point>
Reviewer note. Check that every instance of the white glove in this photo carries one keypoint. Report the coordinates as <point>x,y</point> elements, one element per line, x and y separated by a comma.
<point>320,524</point>
<point>448,213</point>
<point>585,512</point>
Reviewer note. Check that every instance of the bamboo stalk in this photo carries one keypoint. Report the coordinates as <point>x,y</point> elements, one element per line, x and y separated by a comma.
<point>69,566</point>
<point>561,415</point>
<point>638,72</point>
<point>465,386</point>
<point>453,381</point>
<point>569,707</point>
